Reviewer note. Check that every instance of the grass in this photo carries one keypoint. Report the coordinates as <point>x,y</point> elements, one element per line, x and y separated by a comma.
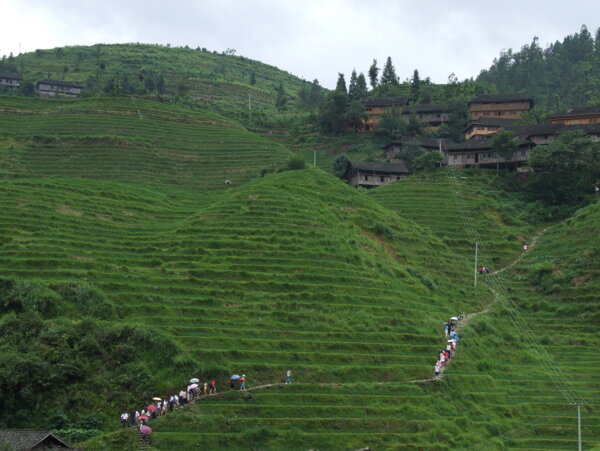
<point>122,202</point>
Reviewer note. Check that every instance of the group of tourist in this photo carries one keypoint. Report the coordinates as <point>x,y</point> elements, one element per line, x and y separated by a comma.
<point>160,406</point>
<point>452,339</point>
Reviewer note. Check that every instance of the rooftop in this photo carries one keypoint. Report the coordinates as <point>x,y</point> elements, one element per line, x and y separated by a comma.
<point>426,143</point>
<point>397,167</point>
<point>480,144</point>
<point>527,131</point>
<point>579,111</point>
<point>68,84</point>
<point>26,439</point>
<point>490,120</point>
<point>10,76</point>
<point>384,101</point>
<point>502,98</point>
<point>428,108</point>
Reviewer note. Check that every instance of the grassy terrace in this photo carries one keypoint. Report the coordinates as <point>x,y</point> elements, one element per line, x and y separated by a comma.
<point>500,217</point>
<point>293,270</point>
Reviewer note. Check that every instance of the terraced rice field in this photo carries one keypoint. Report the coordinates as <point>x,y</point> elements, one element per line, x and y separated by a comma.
<point>500,218</point>
<point>293,270</point>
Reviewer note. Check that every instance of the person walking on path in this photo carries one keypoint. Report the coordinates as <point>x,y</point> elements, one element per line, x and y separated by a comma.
<point>124,419</point>
<point>288,377</point>
<point>446,329</point>
<point>213,388</point>
<point>525,248</point>
<point>243,382</point>
<point>205,388</point>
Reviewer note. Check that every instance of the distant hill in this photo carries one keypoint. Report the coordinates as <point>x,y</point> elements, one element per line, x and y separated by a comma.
<point>562,75</point>
<point>223,80</point>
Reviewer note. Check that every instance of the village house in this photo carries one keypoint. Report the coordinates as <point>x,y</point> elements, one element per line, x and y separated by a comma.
<point>10,80</point>
<point>376,106</point>
<point>58,88</point>
<point>371,175</point>
<point>478,153</point>
<point>432,114</point>
<point>505,106</point>
<point>575,116</point>
<point>29,439</point>
<point>393,148</point>
<point>546,133</point>
<point>485,127</point>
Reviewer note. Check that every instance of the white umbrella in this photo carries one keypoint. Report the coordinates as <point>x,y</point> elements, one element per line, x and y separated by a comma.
<point>454,318</point>
<point>194,380</point>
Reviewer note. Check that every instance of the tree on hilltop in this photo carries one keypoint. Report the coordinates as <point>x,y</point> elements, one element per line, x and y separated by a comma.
<point>341,84</point>
<point>415,86</point>
<point>388,76</point>
<point>373,74</point>
<point>357,89</point>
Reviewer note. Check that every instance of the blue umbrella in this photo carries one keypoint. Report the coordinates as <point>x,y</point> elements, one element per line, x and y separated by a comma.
<point>235,377</point>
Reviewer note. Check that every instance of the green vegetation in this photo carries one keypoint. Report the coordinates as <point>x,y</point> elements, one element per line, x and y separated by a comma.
<point>128,264</point>
<point>562,75</point>
<point>504,219</point>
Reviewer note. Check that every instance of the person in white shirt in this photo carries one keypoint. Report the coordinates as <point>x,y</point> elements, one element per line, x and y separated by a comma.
<point>124,418</point>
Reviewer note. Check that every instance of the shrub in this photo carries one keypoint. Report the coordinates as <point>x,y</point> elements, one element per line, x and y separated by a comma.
<point>296,162</point>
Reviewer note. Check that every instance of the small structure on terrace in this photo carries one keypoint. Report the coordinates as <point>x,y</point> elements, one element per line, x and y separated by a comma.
<point>478,153</point>
<point>433,114</point>
<point>58,88</point>
<point>505,106</point>
<point>370,175</point>
<point>10,80</point>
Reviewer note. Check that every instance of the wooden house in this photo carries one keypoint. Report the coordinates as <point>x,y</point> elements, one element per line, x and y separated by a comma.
<point>486,126</point>
<point>545,133</point>
<point>58,88</point>
<point>433,114</point>
<point>12,81</point>
<point>376,106</point>
<point>393,148</point>
<point>371,175</point>
<point>30,439</point>
<point>504,106</point>
<point>478,153</point>
<point>577,116</point>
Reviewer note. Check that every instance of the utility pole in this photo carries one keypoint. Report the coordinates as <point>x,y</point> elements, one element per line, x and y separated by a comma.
<point>249,103</point>
<point>475,273</point>
<point>315,158</point>
<point>579,424</point>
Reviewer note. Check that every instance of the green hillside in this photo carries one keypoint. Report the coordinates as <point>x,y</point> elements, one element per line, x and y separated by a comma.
<point>129,140</point>
<point>504,221</point>
<point>209,77</point>
<point>128,265</point>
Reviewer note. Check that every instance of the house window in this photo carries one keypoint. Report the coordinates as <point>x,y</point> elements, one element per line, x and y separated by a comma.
<point>455,157</point>
<point>481,156</point>
<point>469,156</point>
<point>523,153</point>
<point>382,179</point>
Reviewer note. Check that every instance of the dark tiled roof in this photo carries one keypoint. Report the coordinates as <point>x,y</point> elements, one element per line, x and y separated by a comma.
<point>550,129</point>
<point>490,120</point>
<point>398,167</point>
<point>428,108</point>
<point>502,98</point>
<point>426,143</point>
<point>67,84</point>
<point>26,439</point>
<point>384,101</point>
<point>10,76</point>
<point>480,144</point>
<point>579,111</point>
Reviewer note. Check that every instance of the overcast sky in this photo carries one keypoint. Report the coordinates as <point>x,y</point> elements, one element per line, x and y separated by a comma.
<point>308,38</point>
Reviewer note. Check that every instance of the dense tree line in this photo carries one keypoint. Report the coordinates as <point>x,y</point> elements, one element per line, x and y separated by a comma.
<point>562,75</point>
